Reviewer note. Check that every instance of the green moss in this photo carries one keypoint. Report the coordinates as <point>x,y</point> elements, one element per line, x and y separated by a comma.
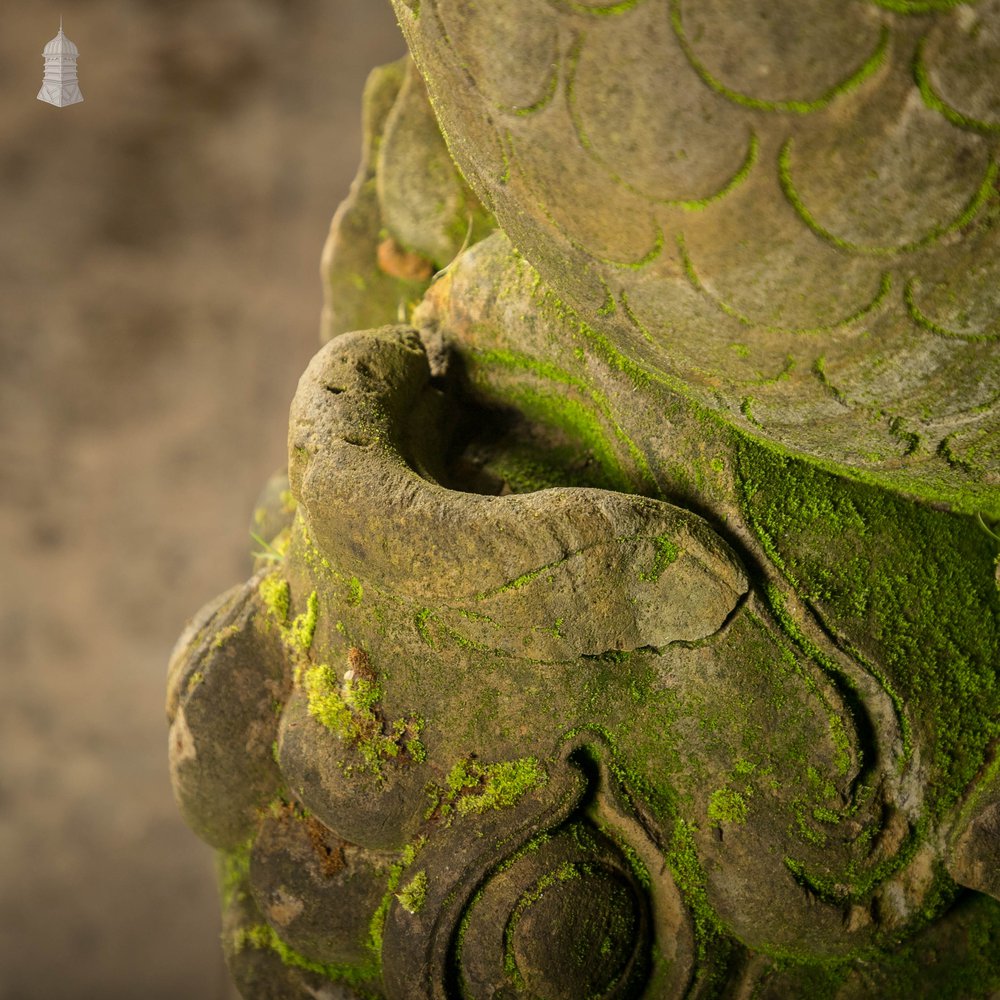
<point>264,937</point>
<point>529,464</point>
<point>666,552</point>
<point>543,101</point>
<point>726,805</point>
<point>711,943</point>
<point>376,926</point>
<point>917,6</point>
<point>520,581</point>
<point>411,897</point>
<point>461,777</point>
<point>270,551</point>
<point>843,750</point>
<point>935,102</point>
<point>815,980</point>
<point>475,788</point>
<point>583,415</point>
<point>607,308</point>
<point>823,888</point>
<point>303,627</point>
<point>638,866</point>
<point>224,635</point>
<point>566,872</point>
<point>349,709</point>
<point>420,620</point>
<point>356,592</point>
<point>631,316</point>
<point>234,872</point>
<point>746,408</point>
<point>953,960</point>
<point>690,205</point>
<point>910,586</point>
<point>923,320</point>
<point>276,595</point>
<point>965,498</point>
<point>605,10</point>
<point>325,701</point>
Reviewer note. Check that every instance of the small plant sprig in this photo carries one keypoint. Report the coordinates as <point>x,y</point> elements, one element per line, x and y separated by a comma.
<point>267,551</point>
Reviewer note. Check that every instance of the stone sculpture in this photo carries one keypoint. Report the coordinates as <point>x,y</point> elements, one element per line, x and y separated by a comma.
<point>626,625</point>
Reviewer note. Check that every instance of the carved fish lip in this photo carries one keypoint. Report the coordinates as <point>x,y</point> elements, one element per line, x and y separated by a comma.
<point>559,573</point>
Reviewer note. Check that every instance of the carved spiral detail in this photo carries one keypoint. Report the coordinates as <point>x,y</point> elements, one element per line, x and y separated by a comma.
<point>567,917</point>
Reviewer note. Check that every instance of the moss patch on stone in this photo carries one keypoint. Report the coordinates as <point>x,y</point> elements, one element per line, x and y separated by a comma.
<point>263,936</point>
<point>298,633</point>
<point>665,552</point>
<point>376,926</point>
<point>411,897</point>
<point>726,805</point>
<point>303,626</point>
<point>349,708</point>
<point>276,595</point>
<point>471,787</point>
<point>907,584</point>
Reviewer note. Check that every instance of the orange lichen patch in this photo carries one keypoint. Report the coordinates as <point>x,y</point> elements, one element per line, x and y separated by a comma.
<point>359,664</point>
<point>400,263</point>
<point>325,844</point>
<point>329,849</point>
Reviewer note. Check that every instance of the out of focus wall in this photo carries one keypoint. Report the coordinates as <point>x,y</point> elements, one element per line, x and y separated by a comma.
<point>159,297</point>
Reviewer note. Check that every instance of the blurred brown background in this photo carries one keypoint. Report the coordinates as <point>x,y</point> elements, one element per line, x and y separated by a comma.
<point>159,246</point>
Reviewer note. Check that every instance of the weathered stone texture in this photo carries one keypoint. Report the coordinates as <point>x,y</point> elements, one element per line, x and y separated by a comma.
<point>628,622</point>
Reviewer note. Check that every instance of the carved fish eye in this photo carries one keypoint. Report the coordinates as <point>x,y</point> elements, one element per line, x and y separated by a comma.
<point>566,917</point>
